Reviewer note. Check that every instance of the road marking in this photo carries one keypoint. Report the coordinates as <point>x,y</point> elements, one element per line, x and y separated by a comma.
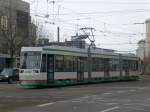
<point>139,109</point>
<point>85,97</point>
<point>110,109</point>
<point>65,101</point>
<point>103,100</point>
<point>120,91</point>
<point>146,105</point>
<point>132,90</point>
<point>134,104</point>
<point>112,103</point>
<point>46,104</point>
<point>76,101</point>
<point>142,88</point>
<point>148,99</point>
<point>107,93</point>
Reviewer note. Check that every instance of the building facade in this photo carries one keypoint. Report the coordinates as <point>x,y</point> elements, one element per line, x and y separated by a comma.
<point>15,18</point>
<point>141,51</point>
<point>147,38</point>
<point>16,30</point>
<point>4,61</point>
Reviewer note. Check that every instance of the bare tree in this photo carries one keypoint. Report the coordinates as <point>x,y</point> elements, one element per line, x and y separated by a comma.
<point>11,41</point>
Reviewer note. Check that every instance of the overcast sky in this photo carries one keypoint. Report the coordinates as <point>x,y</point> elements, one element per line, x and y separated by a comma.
<point>114,20</point>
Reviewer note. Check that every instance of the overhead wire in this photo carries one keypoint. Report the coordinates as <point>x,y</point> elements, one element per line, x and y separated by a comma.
<point>101,32</point>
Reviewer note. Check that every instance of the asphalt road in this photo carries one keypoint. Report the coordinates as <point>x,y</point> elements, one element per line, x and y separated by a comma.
<point>108,97</point>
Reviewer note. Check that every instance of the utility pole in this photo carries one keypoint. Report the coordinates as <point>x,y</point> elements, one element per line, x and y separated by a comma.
<point>58,34</point>
<point>86,30</point>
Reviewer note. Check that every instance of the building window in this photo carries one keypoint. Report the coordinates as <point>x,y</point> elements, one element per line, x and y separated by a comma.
<point>4,22</point>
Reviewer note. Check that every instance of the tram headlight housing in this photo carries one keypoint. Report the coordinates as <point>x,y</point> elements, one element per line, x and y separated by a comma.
<point>36,71</point>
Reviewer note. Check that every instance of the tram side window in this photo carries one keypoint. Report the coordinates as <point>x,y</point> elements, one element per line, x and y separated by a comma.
<point>59,63</point>
<point>101,64</point>
<point>133,65</point>
<point>114,65</point>
<point>95,65</point>
<point>74,64</point>
<point>98,64</point>
<point>126,65</point>
<point>43,66</point>
<point>85,65</point>
<point>68,63</point>
<point>137,65</point>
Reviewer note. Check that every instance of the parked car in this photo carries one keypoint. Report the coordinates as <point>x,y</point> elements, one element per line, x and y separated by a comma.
<point>9,75</point>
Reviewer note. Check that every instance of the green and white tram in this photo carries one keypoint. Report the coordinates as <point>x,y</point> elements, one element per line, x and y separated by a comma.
<point>56,65</point>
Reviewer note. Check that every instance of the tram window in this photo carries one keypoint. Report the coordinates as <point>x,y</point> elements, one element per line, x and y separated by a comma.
<point>43,66</point>
<point>98,64</point>
<point>106,65</point>
<point>95,64</point>
<point>101,64</point>
<point>74,64</point>
<point>137,65</point>
<point>133,65</point>
<point>68,63</point>
<point>30,60</point>
<point>59,63</point>
<point>114,64</point>
<point>85,65</point>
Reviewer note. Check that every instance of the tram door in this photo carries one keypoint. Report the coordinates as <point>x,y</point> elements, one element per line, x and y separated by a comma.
<point>80,69</point>
<point>106,68</point>
<point>50,68</point>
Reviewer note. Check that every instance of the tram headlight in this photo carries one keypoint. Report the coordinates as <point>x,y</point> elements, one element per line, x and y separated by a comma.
<point>35,71</point>
<point>21,71</point>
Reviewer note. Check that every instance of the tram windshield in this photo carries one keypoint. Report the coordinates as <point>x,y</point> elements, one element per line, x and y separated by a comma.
<point>30,60</point>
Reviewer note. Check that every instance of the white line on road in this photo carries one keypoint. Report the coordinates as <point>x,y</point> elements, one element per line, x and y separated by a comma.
<point>132,90</point>
<point>76,101</point>
<point>46,104</point>
<point>112,103</point>
<point>138,109</point>
<point>120,91</point>
<point>148,99</point>
<point>107,93</point>
<point>65,101</point>
<point>110,109</point>
<point>134,104</point>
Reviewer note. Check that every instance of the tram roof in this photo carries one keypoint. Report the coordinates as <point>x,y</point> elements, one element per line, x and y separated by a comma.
<point>62,50</point>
